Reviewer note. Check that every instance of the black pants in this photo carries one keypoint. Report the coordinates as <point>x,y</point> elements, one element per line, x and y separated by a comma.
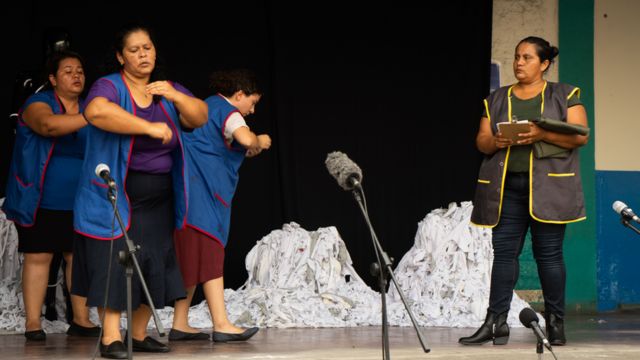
<point>508,239</point>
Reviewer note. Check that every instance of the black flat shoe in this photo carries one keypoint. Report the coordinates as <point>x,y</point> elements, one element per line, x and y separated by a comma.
<point>35,335</point>
<point>115,350</point>
<point>177,335</point>
<point>149,344</point>
<point>79,330</point>
<point>224,337</point>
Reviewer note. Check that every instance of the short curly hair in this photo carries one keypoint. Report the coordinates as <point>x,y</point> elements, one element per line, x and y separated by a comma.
<point>229,82</point>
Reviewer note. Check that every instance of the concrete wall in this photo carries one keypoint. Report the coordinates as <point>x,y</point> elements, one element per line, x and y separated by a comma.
<point>617,58</point>
<point>513,20</point>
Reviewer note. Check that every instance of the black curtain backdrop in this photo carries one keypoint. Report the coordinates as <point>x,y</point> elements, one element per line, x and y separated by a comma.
<point>398,88</point>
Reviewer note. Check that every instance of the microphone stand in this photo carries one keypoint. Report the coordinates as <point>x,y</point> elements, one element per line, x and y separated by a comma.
<point>539,349</point>
<point>382,269</point>
<point>128,259</point>
<point>627,223</point>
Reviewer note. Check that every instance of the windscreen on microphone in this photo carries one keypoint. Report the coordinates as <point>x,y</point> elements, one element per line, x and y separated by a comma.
<point>527,316</point>
<point>102,171</point>
<point>618,206</point>
<point>625,211</point>
<point>100,168</point>
<point>345,171</point>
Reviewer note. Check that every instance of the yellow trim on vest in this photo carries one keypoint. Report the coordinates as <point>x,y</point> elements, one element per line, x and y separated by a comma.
<point>482,226</point>
<point>561,174</point>
<point>576,90</point>
<point>509,102</point>
<point>531,200</point>
<point>486,107</point>
<point>484,181</point>
<point>506,161</point>
<point>504,178</point>
<point>542,105</point>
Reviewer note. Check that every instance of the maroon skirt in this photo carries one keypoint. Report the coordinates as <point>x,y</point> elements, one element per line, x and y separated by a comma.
<point>200,257</point>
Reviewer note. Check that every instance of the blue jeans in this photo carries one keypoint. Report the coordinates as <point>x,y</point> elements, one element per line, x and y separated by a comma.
<point>508,239</point>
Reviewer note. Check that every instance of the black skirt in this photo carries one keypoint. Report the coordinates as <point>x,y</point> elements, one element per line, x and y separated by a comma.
<point>152,225</point>
<point>51,232</point>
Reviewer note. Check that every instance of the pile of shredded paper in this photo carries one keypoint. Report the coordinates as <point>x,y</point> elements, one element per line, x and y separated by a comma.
<point>445,276</point>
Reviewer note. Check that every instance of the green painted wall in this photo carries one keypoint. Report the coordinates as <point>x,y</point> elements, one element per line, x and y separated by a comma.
<point>576,38</point>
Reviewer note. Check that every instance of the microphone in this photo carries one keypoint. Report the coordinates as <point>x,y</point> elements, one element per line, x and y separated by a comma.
<point>345,171</point>
<point>529,319</point>
<point>625,211</point>
<point>102,171</point>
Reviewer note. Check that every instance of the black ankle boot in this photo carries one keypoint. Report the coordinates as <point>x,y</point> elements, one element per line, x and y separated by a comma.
<point>555,330</point>
<point>501,330</point>
<point>494,328</point>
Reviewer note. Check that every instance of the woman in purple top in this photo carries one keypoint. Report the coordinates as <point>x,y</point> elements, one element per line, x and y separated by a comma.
<point>137,107</point>
<point>47,156</point>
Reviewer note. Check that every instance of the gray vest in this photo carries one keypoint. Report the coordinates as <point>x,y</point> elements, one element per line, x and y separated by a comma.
<point>555,186</point>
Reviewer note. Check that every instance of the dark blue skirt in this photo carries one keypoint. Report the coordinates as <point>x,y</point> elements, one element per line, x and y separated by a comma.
<point>152,225</point>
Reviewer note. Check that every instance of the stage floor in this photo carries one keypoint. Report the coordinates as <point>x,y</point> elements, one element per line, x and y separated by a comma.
<point>602,336</point>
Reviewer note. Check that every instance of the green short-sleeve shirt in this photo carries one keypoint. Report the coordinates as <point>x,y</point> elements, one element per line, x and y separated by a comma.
<point>527,110</point>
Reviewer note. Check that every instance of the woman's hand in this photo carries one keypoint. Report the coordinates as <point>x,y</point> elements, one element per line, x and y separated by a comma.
<point>252,152</point>
<point>264,141</point>
<point>501,142</point>
<point>193,111</point>
<point>535,134</point>
<point>159,131</point>
<point>162,88</point>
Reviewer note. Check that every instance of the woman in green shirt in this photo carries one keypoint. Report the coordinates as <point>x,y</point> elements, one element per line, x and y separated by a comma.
<point>521,188</point>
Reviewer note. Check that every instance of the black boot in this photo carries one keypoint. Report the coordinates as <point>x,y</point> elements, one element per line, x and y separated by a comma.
<point>494,328</point>
<point>555,330</point>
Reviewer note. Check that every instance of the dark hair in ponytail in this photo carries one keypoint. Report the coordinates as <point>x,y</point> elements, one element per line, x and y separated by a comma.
<point>53,63</point>
<point>544,50</point>
<point>112,65</point>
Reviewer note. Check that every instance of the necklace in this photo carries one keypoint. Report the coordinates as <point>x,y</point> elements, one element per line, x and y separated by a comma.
<point>137,87</point>
<point>141,91</point>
